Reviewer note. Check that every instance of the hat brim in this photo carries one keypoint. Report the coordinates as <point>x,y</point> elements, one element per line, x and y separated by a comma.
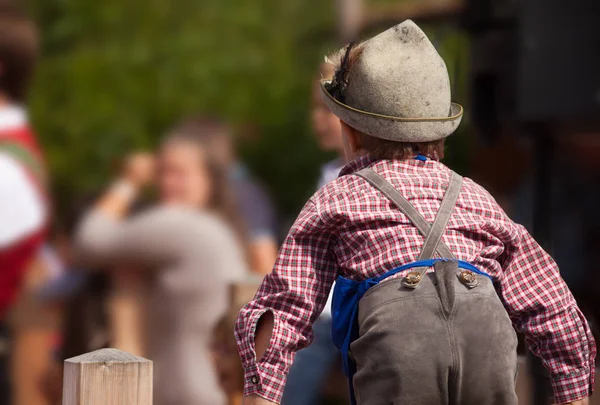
<point>394,128</point>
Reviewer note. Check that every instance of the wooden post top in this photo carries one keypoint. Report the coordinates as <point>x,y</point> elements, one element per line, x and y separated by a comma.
<point>107,377</point>
<point>107,356</point>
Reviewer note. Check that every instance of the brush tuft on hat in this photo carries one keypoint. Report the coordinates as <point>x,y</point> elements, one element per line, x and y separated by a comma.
<point>340,77</point>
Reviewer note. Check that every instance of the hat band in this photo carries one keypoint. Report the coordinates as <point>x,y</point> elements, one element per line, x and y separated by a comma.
<point>389,117</point>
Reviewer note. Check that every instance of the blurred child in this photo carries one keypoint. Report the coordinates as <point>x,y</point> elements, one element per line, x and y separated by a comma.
<point>23,195</point>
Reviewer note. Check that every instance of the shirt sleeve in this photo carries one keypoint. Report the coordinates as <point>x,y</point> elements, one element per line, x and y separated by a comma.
<point>151,239</point>
<point>295,293</point>
<point>542,307</point>
<point>22,210</point>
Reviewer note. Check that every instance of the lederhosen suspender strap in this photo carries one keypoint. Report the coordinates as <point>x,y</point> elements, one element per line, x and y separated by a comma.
<point>432,233</point>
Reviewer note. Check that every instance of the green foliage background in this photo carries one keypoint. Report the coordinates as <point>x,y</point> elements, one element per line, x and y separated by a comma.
<point>116,74</point>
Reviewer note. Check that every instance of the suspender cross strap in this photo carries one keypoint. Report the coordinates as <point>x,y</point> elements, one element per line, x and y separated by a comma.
<point>432,233</point>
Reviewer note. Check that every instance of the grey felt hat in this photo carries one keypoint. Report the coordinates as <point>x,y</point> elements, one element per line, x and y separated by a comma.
<point>398,89</point>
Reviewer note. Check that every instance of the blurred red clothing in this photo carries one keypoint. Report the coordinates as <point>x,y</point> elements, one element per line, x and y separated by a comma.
<point>23,202</point>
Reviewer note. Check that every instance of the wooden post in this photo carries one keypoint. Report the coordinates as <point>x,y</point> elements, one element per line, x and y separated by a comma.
<point>107,377</point>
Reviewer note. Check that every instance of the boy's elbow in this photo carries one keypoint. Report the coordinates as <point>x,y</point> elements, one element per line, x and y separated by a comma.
<point>264,331</point>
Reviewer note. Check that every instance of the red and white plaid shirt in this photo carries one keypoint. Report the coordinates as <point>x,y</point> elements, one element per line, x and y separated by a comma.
<point>349,228</point>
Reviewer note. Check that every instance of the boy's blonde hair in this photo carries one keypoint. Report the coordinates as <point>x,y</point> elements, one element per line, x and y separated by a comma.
<point>343,61</point>
<point>384,149</point>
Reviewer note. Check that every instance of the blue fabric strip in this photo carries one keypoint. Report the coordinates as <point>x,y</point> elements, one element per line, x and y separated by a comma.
<point>428,263</point>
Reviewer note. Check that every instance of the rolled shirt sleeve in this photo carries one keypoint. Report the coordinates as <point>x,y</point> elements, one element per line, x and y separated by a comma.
<point>295,292</point>
<point>543,308</point>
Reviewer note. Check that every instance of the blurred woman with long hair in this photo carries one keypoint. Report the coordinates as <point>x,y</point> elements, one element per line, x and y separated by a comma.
<point>189,248</point>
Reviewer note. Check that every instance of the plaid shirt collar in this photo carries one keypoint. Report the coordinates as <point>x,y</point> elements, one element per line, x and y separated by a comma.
<point>356,165</point>
<point>366,160</point>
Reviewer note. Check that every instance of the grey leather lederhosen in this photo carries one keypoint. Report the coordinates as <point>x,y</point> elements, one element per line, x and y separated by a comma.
<point>433,338</point>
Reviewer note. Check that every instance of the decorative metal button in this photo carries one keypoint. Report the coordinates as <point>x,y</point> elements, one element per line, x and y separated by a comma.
<point>412,279</point>
<point>254,379</point>
<point>468,278</point>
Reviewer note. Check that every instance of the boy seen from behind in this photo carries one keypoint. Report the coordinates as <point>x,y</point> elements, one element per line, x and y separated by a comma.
<point>431,274</point>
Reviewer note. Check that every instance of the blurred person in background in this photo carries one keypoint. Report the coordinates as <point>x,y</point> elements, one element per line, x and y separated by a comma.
<point>312,365</point>
<point>23,196</point>
<point>253,203</point>
<point>328,130</point>
<point>190,251</point>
